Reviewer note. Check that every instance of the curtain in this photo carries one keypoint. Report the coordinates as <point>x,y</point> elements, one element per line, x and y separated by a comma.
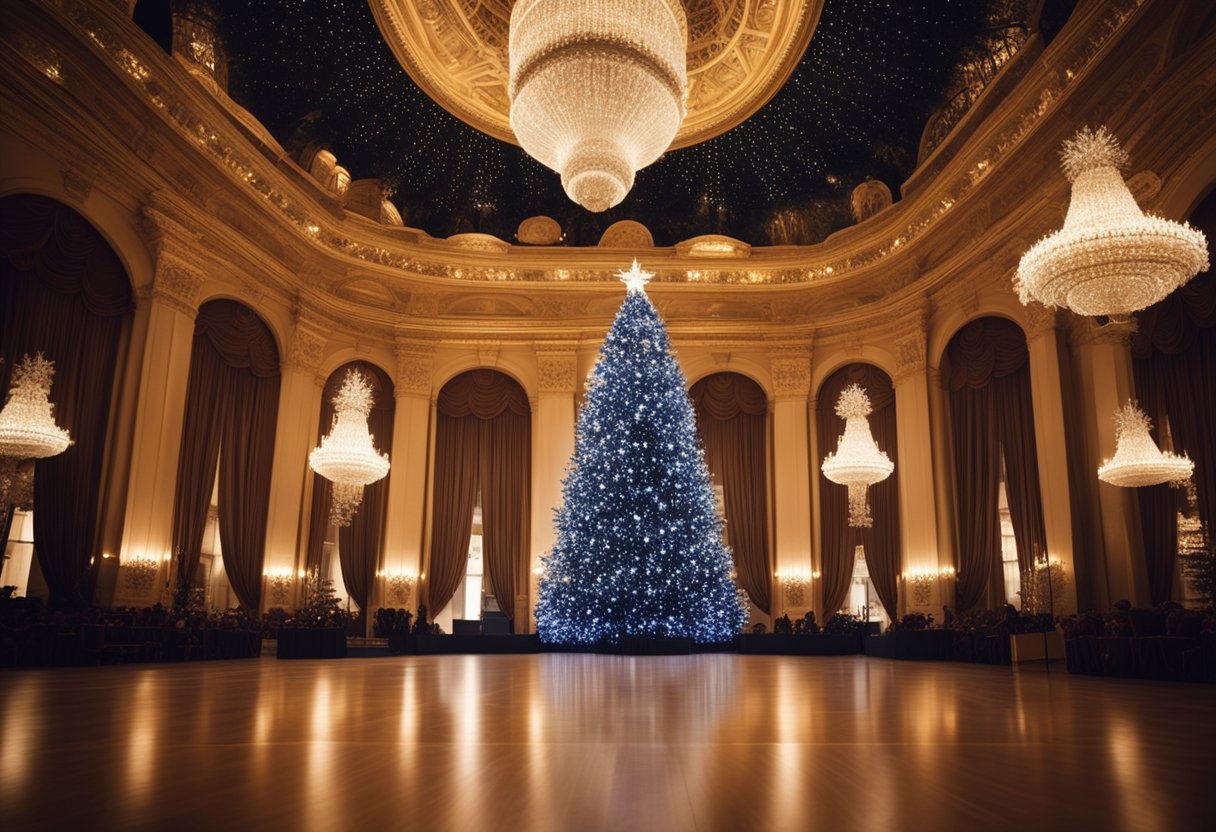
<point>732,413</point>
<point>232,403</point>
<point>987,373</point>
<point>359,543</point>
<point>64,292</point>
<point>482,440</point>
<point>1174,361</point>
<point>838,541</point>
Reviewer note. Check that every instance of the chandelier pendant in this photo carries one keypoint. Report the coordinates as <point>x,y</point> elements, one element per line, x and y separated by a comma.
<point>1138,462</point>
<point>27,422</point>
<point>597,89</point>
<point>1109,258</point>
<point>857,462</point>
<point>347,457</point>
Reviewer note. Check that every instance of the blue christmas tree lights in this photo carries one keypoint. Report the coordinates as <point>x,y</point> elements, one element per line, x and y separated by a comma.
<point>639,548</point>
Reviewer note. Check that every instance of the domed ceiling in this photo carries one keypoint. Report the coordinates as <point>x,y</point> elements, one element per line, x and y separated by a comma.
<point>853,104</point>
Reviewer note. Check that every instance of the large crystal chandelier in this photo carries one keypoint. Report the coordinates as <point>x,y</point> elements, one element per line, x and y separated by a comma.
<point>27,422</point>
<point>1138,461</point>
<point>347,456</point>
<point>857,462</point>
<point>597,89</point>
<point>1109,258</point>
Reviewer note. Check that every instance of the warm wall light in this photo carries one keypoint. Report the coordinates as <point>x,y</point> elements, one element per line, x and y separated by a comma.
<point>138,574</point>
<point>794,582</point>
<point>398,585</point>
<point>280,580</point>
<point>920,581</point>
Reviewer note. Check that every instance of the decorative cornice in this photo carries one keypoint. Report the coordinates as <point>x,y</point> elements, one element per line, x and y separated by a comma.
<point>1040,320</point>
<point>177,283</point>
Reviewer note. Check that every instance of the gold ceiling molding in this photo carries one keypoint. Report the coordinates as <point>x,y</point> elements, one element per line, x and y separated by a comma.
<point>740,52</point>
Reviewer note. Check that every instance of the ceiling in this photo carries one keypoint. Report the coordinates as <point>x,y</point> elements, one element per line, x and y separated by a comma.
<point>854,106</point>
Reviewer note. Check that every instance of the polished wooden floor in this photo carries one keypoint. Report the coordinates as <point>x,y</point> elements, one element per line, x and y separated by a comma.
<point>557,742</point>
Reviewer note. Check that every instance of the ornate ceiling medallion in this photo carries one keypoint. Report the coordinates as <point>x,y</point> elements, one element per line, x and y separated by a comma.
<point>739,53</point>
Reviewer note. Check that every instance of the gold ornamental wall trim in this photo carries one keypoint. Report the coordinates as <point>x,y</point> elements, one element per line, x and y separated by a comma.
<point>740,52</point>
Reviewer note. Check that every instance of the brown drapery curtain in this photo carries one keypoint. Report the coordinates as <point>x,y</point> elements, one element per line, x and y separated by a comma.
<point>838,541</point>
<point>483,439</point>
<point>359,544</point>
<point>232,403</point>
<point>1174,362</point>
<point>65,293</point>
<point>986,370</point>
<point>732,413</point>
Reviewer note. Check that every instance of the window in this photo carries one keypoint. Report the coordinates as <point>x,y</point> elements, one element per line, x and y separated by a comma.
<point>862,599</point>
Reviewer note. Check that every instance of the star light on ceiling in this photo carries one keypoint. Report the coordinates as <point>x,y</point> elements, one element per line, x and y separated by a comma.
<point>597,89</point>
<point>1110,258</point>
<point>634,278</point>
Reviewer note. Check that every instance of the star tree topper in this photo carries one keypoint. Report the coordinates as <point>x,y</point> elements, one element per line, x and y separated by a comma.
<point>635,279</point>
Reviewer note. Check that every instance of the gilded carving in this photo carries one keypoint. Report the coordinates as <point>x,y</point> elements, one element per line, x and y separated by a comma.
<point>791,374</point>
<point>626,234</point>
<point>740,52</point>
<point>177,283</point>
<point>413,370</point>
<point>557,372</point>
<point>1144,186</point>
<point>911,347</point>
<point>539,231</point>
<point>1040,320</point>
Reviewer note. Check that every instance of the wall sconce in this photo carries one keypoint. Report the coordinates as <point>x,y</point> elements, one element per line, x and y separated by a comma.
<point>921,583</point>
<point>280,581</point>
<point>398,585</point>
<point>139,574</point>
<point>794,582</point>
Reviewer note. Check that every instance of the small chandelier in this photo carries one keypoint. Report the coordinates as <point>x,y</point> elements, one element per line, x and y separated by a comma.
<point>27,423</point>
<point>1109,258</point>
<point>347,456</point>
<point>1138,461</point>
<point>857,462</point>
<point>597,89</point>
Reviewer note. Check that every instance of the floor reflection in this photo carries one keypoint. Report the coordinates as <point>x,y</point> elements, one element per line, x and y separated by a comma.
<point>596,742</point>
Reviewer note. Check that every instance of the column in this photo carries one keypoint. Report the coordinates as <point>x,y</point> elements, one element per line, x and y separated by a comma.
<point>1047,392</point>
<point>552,447</point>
<point>915,469</point>
<point>792,474</point>
<point>295,432</point>
<point>159,409</point>
<point>1106,358</point>
<point>407,485</point>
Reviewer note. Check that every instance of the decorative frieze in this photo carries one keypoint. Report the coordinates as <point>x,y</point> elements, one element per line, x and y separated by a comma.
<point>1040,320</point>
<point>177,283</point>
<point>911,346</point>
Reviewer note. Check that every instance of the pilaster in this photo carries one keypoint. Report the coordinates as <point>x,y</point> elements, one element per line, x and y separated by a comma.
<point>791,370</point>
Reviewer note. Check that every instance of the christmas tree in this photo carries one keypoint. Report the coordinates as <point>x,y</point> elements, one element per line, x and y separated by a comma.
<point>639,548</point>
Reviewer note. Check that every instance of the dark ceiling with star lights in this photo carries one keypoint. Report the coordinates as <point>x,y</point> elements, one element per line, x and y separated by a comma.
<point>317,72</point>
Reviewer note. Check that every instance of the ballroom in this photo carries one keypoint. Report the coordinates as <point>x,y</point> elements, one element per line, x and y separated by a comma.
<point>657,414</point>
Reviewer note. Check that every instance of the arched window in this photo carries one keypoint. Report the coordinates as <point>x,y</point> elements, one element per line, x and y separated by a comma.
<point>232,403</point>
<point>483,453</point>
<point>848,584</point>
<point>357,546</point>
<point>64,293</point>
<point>1174,361</point>
<point>732,414</point>
<point>986,371</point>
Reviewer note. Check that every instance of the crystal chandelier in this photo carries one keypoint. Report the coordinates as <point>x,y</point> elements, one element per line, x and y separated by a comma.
<point>1138,461</point>
<point>857,462</point>
<point>597,89</point>
<point>347,456</point>
<point>27,423</point>
<point>1109,258</point>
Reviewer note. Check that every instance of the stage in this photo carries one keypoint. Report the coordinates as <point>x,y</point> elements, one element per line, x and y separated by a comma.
<point>588,742</point>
